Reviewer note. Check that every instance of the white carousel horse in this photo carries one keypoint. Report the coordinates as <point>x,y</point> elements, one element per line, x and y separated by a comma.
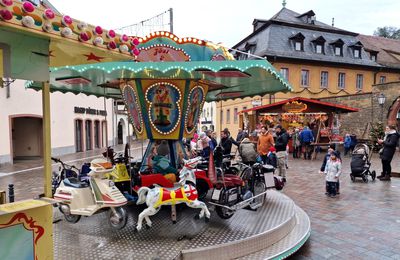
<point>184,193</point>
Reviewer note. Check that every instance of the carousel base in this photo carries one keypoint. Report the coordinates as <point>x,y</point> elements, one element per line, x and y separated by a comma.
<point>275,231</point>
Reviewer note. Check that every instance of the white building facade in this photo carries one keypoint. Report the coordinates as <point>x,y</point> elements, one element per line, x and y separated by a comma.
<point>78,123</point>
<point>208,117</point>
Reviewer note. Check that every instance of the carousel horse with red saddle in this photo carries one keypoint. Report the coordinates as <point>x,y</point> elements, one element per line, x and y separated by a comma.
<point>184,192</point>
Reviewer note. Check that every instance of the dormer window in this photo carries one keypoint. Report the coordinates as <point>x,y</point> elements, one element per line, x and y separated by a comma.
<point>298,46</point>
<point>298,41</point>
<point>373,55</point>
<point>338,47</point>
<point>357,53</point>
<point>250,47</point>
<point>356,49</point>
<point>319,44</point>
<point>308,17</point>
<point>338,51</point>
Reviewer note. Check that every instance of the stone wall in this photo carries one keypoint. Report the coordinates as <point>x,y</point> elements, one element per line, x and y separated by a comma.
<point>369,109</point>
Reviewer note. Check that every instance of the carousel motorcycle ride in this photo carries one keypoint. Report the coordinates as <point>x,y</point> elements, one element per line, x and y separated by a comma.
<point>66,171</point>
<point>130,181</point>
<point>76,198</point>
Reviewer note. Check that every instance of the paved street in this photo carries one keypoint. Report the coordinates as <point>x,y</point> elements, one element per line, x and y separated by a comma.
<point>362,223</point>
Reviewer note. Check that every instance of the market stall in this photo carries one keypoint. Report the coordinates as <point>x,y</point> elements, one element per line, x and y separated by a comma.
<point>323,118</point>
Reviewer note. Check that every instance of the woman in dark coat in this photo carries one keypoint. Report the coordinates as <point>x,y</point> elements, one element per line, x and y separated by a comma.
<point>389,143</point>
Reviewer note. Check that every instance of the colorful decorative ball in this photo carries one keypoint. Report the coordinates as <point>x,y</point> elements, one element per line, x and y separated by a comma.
<point>123,48</point>
<point>135,41</point>
<point>48,14</point>
<point>98,30</point>
<point>112,45</point>
<point>6,15</point>
<point>136,52</point>
<point>124,38</point>
<point>82,26</point>
<point>66,32</point>
<point>111,34</point>
<point>66,20</point>
<point>98,41</point>
<point>47,27</point>
<point>84,36</point>
<point>6,2</point>
<point>28,21</point>
<point>28,7</point>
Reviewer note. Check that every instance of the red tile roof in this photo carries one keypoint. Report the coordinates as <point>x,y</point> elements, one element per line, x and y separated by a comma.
<point>389,49</point>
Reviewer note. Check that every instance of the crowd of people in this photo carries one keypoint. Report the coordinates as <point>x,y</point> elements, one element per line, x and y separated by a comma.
<point>272,148</point>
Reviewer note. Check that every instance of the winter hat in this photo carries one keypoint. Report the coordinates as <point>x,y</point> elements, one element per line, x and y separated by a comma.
<point>279,126</point>
<point>272,149</point>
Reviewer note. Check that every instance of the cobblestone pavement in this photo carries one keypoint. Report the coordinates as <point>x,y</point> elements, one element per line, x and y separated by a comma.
<point>363,222</point>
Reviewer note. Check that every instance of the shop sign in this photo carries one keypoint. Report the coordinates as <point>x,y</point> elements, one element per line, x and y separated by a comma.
<point>294,107</point>
<point>89,111</point>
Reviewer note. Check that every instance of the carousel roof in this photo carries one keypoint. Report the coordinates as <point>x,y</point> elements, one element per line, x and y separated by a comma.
<point>225,79</point>
<point>313,106</point>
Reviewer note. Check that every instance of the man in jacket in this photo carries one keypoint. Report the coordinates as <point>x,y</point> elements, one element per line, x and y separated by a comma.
<point>227,141</point>
<point>389,143</point>
<point>306,138</point>
<point>282,139</point>
<point>265,141</point>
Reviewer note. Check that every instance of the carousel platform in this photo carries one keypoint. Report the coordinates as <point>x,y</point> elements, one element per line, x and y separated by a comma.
<point>275,231</point>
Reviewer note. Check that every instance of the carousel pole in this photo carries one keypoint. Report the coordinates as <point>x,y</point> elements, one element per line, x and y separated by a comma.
<point>46,139</point>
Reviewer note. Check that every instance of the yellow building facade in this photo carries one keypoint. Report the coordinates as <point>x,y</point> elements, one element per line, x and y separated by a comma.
<point>227,116</point>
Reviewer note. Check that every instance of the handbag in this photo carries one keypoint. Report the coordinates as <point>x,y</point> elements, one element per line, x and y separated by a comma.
<point>380,151</point>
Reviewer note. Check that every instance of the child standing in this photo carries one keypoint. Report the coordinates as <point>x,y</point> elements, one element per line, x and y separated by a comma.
<point>332,172</point>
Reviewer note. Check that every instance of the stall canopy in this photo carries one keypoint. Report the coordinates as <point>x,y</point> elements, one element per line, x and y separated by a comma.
<point>225,79</point>
<point>301,105</point>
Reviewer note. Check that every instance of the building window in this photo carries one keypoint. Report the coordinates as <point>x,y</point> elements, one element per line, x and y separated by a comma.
<point>382,79</point>
<point>285,73</point>
<point>235,115</point>
<point>357,53</point>
<point>212,111</point>
<point>228,116</point>
<point>88,135</point>
<point>359,83</point>
<point>78,135</point>
<point>221,120</point>
<point>298,45</point>
<point>338,51</point>
<point>324,79</point>
<point>104,141</point>
<point>244,108</point>
<point>318,48</point>
<point>342,80</point>
<point>305,78</point>
<point>97,134</point>
<point>373,56</point>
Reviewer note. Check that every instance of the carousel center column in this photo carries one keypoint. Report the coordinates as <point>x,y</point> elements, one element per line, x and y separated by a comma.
<point>165,112</point>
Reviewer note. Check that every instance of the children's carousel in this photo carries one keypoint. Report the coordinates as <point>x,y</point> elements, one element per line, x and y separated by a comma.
<point>164,81</point>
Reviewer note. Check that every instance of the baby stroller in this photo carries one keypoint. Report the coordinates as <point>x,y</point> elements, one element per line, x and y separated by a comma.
<point>361,162</point>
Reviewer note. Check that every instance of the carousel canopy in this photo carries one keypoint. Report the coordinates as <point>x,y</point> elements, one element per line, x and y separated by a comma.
<point>226,79</point>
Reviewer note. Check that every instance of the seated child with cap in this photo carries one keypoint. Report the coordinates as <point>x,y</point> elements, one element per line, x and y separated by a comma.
<point>271,157</point>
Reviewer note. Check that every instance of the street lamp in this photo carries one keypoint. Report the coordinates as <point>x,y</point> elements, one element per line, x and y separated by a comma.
<point>381,102</point>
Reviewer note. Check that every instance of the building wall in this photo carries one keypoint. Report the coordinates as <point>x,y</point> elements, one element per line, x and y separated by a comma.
<point>29,102</point>
<point>369,109</point>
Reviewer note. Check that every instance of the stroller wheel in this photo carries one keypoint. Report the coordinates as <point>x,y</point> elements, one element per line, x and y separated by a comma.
<point>365,178</point>
<point>373,175</point>
<point>353,179</point>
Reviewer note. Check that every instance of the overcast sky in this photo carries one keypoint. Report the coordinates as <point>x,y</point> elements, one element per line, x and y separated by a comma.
<point>230,21</point>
